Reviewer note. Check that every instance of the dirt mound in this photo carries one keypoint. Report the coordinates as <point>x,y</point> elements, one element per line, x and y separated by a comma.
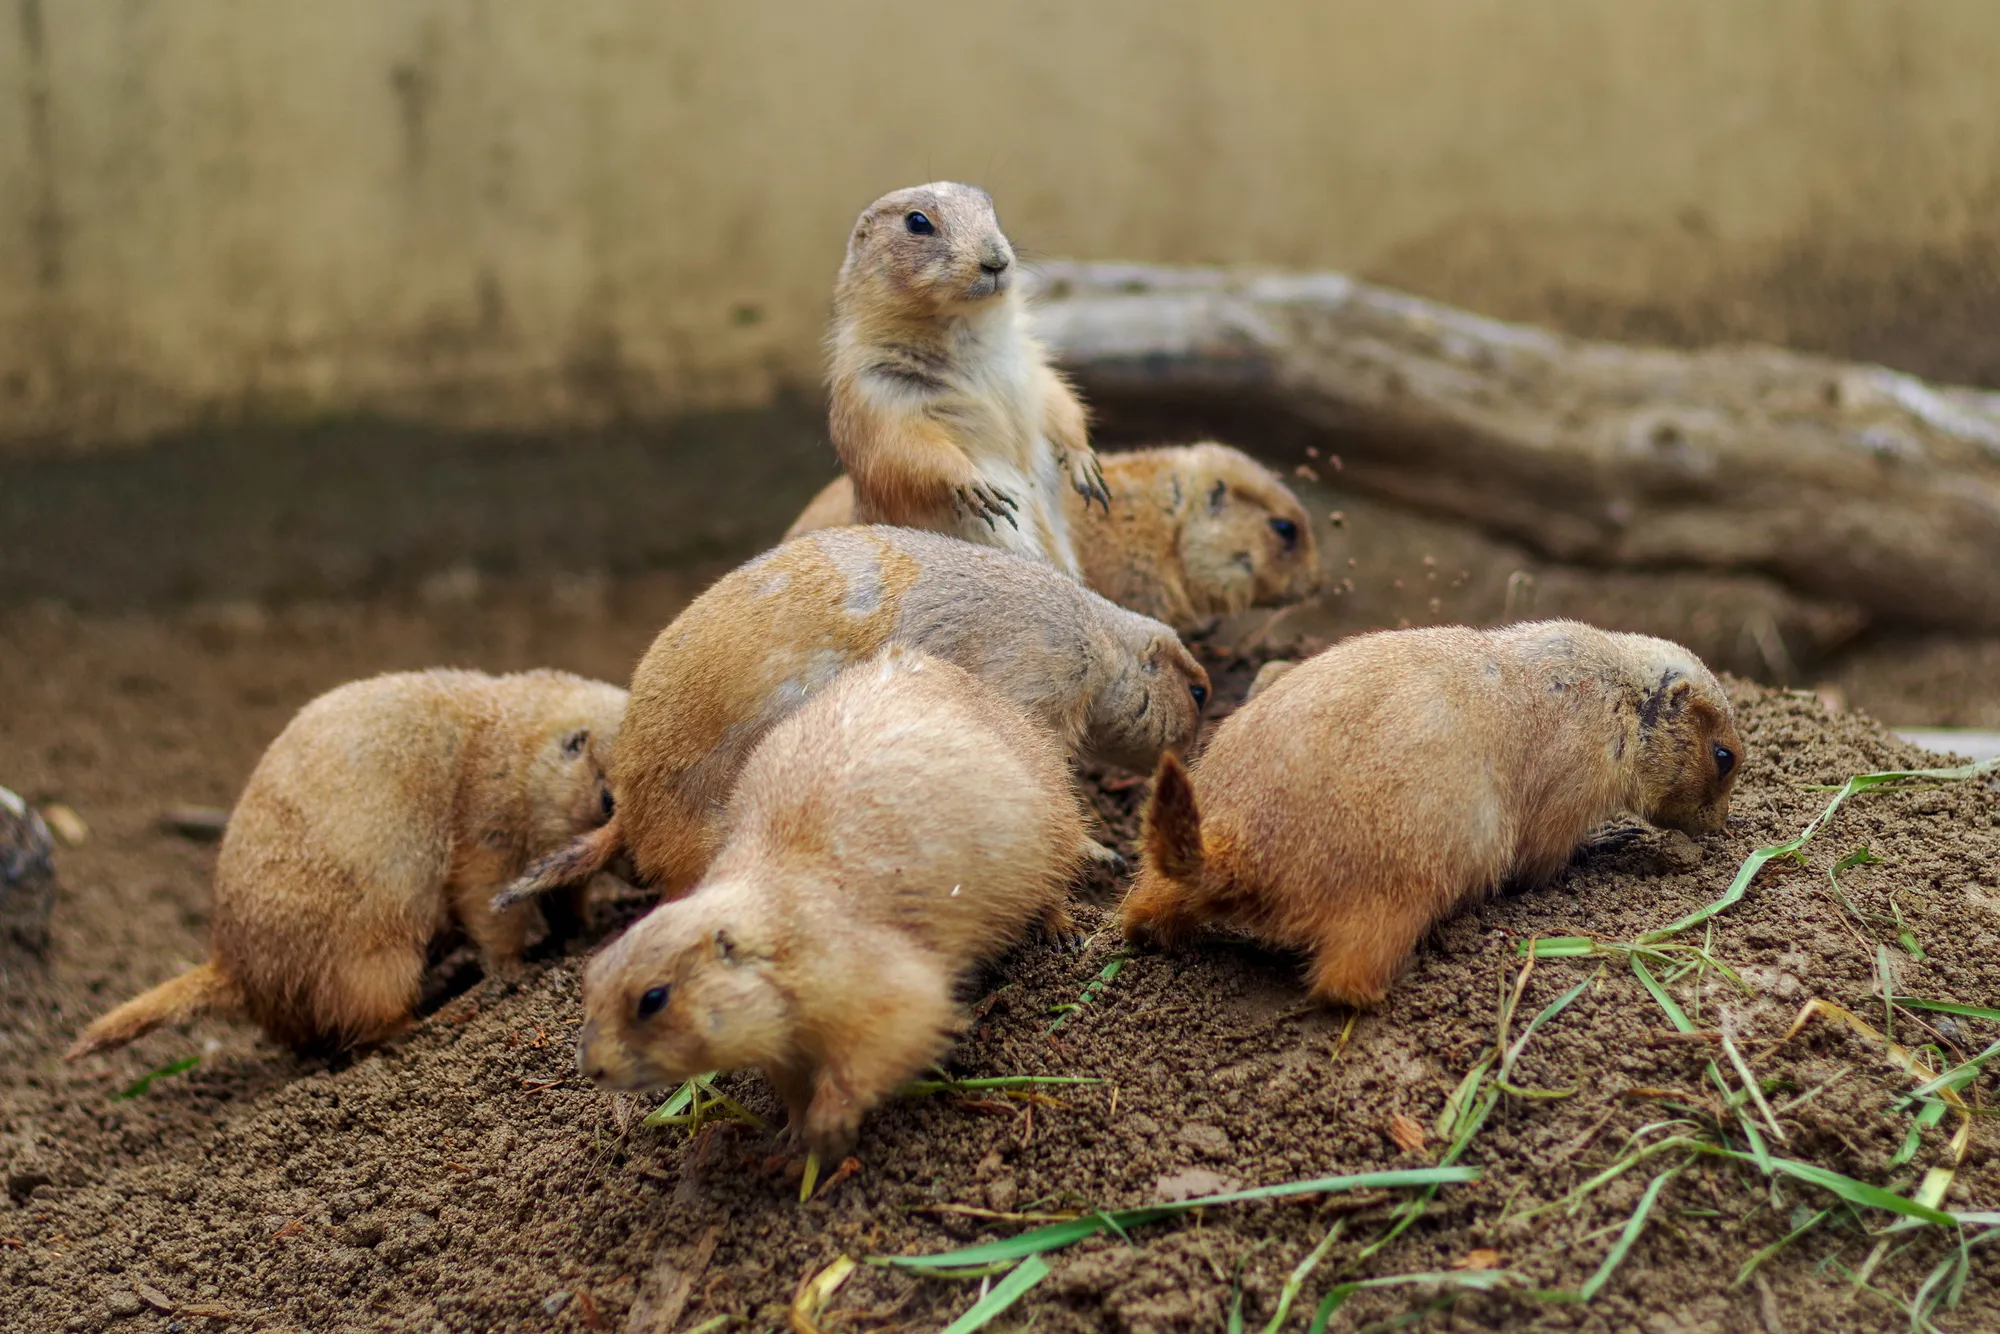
<point>463,1179</point>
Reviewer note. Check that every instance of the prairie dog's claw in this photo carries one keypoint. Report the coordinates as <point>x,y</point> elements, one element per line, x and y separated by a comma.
<point>988,503</point>
<point>1086,474</point>
<point>1109,857</point>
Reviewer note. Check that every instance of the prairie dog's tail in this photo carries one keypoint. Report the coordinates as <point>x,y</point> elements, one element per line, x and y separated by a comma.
<point>1173,822</point>
<point>575,861</point>
<point>204,989</point>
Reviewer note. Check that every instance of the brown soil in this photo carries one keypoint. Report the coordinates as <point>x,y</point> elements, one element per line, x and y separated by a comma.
<point>462,1179</point>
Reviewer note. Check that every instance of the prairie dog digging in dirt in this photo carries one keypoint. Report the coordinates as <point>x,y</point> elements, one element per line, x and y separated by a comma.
<point>1112,685</point>
<point>1191,533</point>
<point>945,410</point>
<point>904,825</point>
<point>1371,790</point>
<point>386,810</point>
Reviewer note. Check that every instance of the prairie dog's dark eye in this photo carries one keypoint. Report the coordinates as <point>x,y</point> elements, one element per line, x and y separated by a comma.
<point>1287,531</point>
<point>1200,693</point>
<point>607,802</point>
<point>653,1002</point>
<point>573,744</point>
<point>919,224</point>
<point>1725,761</point>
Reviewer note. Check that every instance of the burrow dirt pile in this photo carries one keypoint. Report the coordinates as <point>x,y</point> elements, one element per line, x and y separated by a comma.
<point>463,1178</point>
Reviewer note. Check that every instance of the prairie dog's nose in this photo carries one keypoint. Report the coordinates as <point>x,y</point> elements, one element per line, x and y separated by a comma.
<point>996,259</point>
<point>584,1065</point>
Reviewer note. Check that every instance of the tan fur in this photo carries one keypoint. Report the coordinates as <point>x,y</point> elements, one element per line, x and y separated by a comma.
<point>385,811</point>
<point>1370,791</point>
<point>945,410</point>
<point>1267,676</point>
<point>1191,533</point>
<point>905,824</point>
<point>1114,686</point>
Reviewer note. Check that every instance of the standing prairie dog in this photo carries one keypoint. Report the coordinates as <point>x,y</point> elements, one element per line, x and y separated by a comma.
<point>907,823</point>
<point>1112,685</point>
<point>1365,794</point>
<point>385,811</point>
<point>1191,532</point>
<point>945,410</point>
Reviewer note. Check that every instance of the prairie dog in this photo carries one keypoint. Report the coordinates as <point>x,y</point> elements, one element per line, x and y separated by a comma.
<point>385,811</point>
<point>945,410</point>
<point>905,824</point>
<point>1112,685</point>
<point>1374,788</point>
<point>1191,532</point>
<point>1196,532</point>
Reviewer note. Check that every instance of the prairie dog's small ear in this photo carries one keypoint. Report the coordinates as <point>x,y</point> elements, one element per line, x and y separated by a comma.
<point>1217,494</point>
<point>725,948</point>
<point>574,742</point>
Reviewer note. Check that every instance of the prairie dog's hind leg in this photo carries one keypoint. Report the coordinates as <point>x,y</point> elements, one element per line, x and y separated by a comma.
<point>1358,955</point>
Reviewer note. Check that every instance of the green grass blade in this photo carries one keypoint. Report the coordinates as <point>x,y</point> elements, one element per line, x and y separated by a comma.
<point>1954,1077</point>
<point>1395,1180</point>
<point>137,1088</point>
<point>1857,1193</point>
<point>1475,1280</point>
<point>1091,990</point>
<point>1300,1274</point>
<point>675,1106</point>
<point>1674,1012</point>
<point>924,1088</point>
<point>1750,1265</point>
<point>1554,1008</point>
<point>1058,1235</point>
<point>714,1323</point>
<point>1002,1295</point>
<point>1563,947</point>
<point>1038,1241</point>
<point>1950,1007</point>
<point>1459,1103</point>
<point>1929,1116</point>
<point>1757,860</point>
<point>1633,1227</point>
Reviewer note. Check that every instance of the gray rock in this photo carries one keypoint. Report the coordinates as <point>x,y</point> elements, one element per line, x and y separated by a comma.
<point>27,878</point>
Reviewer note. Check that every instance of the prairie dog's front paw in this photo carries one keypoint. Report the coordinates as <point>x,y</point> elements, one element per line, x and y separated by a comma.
<point>1086,474</point>
<point>986,502</point>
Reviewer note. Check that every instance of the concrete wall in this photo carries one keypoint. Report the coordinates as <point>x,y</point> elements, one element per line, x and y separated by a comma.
<point>547,213</point>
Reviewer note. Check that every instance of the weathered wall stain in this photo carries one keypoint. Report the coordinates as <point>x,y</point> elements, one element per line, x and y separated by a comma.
<point>545,216</point>
<point>45,219</point>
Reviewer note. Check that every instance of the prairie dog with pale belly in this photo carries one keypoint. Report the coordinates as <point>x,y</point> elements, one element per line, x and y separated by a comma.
<point>905,824</point>
<point>387,810</point>
<point>945,410</point>
<point>1371,790</point>
<point>1110,684</point>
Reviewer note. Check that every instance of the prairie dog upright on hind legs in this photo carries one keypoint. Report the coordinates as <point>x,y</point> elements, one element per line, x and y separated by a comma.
<point>1371,790</point>
<point>387,810</point>
<point>905,824</point>
<point>946,411</point>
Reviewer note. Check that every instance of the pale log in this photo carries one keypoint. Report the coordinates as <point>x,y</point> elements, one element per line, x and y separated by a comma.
<point>1850,483</point>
